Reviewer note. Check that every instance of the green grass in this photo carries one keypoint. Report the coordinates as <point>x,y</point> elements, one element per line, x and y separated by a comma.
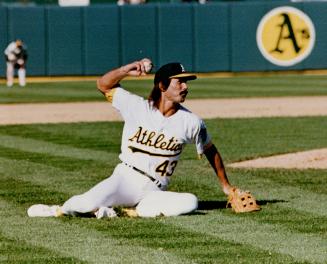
<point>49,163</point>
<point>201,88</point>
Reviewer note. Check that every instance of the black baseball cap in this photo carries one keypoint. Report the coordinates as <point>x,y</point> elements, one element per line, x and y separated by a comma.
<point>172,70</point>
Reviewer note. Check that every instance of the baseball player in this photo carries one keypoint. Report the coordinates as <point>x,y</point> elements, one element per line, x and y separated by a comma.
<point>155,133</point>
<point>16,56</point>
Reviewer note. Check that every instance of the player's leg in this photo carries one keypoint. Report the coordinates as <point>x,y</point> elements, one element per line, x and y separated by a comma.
<point>124,188</point>
<point>93,199</point>
<point>22,76</point>
<point>100,195</point>
<point>10,74</point>
<point>166,203</point>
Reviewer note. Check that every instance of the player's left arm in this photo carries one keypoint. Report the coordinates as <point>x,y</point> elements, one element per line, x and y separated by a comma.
<point>216,162</point>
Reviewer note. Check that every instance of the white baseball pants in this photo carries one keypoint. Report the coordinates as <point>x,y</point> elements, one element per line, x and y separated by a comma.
<point>10,75</point>
<point>127,187</point>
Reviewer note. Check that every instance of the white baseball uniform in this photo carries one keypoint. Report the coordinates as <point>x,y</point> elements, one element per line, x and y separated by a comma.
<point>16,57</point>
<point>150,149</point>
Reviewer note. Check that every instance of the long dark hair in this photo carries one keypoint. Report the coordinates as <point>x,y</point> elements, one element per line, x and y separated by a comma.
<point>155,95</point>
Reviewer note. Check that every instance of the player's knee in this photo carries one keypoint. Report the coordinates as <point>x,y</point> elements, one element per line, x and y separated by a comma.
<point>191,202</point>
<point>167,204</point>
<point>185,203</point>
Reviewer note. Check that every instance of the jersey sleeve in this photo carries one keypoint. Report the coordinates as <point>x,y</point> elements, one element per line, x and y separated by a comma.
<point>123,101</point>
<point>201,138</point>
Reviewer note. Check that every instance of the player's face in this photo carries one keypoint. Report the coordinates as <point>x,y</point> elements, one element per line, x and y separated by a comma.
<point>177,90</point>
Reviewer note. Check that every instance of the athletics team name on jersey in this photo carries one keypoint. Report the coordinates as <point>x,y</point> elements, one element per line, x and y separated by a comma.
<point>157,141</point>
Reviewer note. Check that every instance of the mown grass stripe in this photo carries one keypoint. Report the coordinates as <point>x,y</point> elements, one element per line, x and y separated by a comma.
<point>40,146</point>
<point>25,193</point>
<point>69,239</point>
<point>157,233</point>
<point>63,163</point>
<point>269,237</point>
<point>289,219</point>
<point>301,200</point>
<point>287,187</point>
<point>253,86</point>
<point>311,180</point>
<point>79,135</point>
<point>18,251</point>
<point>47,176</point>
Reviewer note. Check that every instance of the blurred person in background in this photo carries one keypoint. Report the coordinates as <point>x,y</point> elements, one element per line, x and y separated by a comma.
<point>130,2</point>
<point>16,57</point>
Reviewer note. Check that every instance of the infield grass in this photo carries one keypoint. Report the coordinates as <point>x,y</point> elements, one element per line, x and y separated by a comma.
<point>201,88</point>
<point>48,163</point>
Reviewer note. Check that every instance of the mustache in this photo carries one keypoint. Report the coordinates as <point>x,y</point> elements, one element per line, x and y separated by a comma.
<point>184,93</point>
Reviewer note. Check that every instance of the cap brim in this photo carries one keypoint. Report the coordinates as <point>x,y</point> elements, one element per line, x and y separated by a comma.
<point>187,76</point>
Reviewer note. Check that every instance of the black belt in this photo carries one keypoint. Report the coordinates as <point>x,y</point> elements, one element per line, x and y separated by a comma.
<point>156,182</point>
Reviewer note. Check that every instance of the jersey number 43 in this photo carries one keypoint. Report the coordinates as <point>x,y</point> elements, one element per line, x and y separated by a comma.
<point>166,168</point>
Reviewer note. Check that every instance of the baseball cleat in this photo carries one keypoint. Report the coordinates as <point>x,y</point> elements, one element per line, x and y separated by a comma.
<point>105,212</point>
<point>42,210</point>
<point>130,212</point>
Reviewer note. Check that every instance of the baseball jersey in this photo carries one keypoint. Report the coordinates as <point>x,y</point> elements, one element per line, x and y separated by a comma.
<point>152,142</point>
<point>14,53</point>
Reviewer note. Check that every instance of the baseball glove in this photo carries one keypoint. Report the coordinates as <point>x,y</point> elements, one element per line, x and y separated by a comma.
<point>242,201</point>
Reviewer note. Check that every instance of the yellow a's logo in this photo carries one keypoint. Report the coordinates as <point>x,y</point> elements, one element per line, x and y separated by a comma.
<point>285,36</point>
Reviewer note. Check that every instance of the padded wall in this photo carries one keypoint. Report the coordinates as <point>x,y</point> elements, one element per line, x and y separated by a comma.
<point>205,38</point>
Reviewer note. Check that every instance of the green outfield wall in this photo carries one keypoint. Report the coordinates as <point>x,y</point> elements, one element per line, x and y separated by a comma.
<point>215,37</point>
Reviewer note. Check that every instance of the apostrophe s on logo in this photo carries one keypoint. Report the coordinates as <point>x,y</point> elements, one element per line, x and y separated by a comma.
<point>285,36</point>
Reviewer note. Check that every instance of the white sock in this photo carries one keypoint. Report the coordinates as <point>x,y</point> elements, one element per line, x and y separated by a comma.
<point>22,77</point>
<point>105,212</point>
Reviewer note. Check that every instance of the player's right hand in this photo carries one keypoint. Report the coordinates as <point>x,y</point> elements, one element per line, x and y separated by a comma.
<point>135,69</point>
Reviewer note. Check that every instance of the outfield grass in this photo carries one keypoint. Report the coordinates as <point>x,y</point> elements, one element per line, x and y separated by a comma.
<point>49,163</point>
<point>201,88</point>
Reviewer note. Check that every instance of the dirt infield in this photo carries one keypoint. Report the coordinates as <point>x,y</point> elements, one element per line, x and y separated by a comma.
<point>205,108</point>
<point>208,108</point>
<point>312,159</point>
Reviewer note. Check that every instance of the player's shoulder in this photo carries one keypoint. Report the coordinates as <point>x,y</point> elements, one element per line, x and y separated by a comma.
<point>11,45</point>
<point>127,93</point>
<point>189,115</point>
<point>186,112</point>
<point>122,94</point>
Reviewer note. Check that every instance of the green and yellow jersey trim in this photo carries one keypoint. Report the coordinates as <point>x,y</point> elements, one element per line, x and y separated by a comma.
<point>110,95</point>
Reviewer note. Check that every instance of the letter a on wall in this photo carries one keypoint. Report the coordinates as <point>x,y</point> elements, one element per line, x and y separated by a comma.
<point>285,36</point>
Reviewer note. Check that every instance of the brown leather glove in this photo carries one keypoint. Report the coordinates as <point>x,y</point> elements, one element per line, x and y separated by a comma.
<point>242,201</point>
